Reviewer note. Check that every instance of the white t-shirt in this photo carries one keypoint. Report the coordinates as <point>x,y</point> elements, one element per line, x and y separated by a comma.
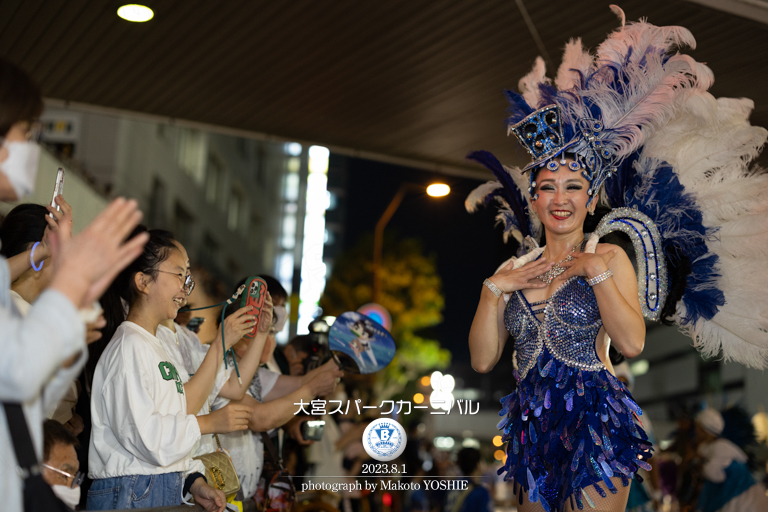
<point>187,353</point>
<point>139,410</point>
<point>246,447</point>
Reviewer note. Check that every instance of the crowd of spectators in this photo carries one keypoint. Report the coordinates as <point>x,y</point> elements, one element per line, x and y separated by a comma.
<point>153,397</point>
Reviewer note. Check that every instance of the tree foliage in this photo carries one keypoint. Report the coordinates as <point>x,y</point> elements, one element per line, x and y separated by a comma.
<point>410,291</point>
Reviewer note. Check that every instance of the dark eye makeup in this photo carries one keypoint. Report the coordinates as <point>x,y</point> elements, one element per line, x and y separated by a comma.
<point>570,187</point>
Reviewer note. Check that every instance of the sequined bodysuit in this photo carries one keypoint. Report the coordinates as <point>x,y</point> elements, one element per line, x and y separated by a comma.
<point>570,423</point>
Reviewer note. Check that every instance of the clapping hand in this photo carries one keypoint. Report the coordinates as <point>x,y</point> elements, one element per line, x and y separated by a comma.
<point>87,263</point>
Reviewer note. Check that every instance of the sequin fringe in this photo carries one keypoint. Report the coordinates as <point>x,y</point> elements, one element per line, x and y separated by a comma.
<point>567,429</point>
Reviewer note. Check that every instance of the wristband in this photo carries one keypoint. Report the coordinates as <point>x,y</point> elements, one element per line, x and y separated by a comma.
<point>494,289</point>
<point>191,480</point>
<point>599,278</point>
<point>32,259</point>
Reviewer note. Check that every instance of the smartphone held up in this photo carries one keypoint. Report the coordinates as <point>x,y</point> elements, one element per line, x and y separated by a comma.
<point>58,190</point>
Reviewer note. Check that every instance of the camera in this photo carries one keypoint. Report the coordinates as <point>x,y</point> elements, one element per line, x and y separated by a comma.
<point>312,430</point>
<point>317,346</point>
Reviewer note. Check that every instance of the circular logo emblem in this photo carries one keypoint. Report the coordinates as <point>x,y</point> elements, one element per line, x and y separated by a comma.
<point>384,439</point>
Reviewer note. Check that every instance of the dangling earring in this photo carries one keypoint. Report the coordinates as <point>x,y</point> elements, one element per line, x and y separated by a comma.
<point>531,209</point>
<point>591,212</point>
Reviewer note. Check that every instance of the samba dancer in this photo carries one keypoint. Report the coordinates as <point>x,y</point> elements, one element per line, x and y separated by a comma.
<point>635,127</point>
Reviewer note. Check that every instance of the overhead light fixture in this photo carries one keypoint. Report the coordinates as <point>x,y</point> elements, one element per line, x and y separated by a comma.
<point>135,12</point>
<point>438,190</point>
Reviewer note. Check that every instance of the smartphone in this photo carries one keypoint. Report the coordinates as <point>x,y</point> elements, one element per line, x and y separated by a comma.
<point>58,189</point>
<point>195,323</point>
<point>255,294</point>
<point>312,430</point>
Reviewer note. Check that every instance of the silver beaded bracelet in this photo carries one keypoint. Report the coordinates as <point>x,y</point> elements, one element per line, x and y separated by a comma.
<point>494,289</point>
<point>599,278</point>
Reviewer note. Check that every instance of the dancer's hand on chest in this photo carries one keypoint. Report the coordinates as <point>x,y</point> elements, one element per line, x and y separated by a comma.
<point>586,264</point>
<point>511,279</point>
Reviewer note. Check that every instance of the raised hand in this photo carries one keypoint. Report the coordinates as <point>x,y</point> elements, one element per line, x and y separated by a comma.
<point>324,382</point>
<point>61,224</point>
<point>87,263</point>
<point>510,279</point>
<point>237,325</point>
<point>265,321</point>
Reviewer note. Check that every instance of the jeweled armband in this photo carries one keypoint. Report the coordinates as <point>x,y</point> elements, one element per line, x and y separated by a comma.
<point>599,278</point>
<point>494,289</point>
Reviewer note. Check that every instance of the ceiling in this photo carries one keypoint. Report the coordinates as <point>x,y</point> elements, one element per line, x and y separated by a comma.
<point>415,80</point>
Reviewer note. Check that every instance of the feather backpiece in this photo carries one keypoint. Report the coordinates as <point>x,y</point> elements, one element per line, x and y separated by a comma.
<point>710,145</point>
<point>675,153</point>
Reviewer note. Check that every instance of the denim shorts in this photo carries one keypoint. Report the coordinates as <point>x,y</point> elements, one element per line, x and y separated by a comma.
<point>136,491</point>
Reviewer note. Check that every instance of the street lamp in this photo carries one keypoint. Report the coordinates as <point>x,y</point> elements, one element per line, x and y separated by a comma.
<point>434,190</point>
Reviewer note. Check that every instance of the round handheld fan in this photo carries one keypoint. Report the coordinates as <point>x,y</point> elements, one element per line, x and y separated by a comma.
<point>359,344</point>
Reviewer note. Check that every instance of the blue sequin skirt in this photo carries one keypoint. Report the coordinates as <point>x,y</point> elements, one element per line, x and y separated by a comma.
<point>567,429</point>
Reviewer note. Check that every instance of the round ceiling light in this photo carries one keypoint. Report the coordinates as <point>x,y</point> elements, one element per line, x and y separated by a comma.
<point>135,12</point>
<point>438,190</point>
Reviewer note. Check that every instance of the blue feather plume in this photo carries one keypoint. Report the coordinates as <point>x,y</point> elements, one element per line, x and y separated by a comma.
<point>621,181</point>
<point>518,109</point>
<point>510,193</point>
<point>656,191</point>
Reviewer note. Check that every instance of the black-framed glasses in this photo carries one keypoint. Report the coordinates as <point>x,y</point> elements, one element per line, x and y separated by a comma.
<point>77,478</point>
<point>187,283</point>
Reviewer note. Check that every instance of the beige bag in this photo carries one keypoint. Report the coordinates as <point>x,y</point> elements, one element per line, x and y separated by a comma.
<point>219,470</point>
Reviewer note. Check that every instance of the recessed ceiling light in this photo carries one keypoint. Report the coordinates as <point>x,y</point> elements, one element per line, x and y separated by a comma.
<point>135,12</point>
<point>438,190</point>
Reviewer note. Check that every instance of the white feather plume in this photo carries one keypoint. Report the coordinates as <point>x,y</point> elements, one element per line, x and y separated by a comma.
<point>575,65</point>
<point>529,84</point>
<point>710,143</point>
<point>653,82</point>
<point>619,12</point>
<point>521,182</point>
<point>476,198</point>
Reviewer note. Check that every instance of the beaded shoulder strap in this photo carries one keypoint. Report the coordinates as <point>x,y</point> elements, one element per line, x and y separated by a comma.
<point>651,266</point>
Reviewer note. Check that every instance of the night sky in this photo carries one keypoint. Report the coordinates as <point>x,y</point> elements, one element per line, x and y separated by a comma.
<point>468,247</point>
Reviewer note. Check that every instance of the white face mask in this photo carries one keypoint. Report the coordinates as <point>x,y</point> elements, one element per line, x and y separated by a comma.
<point>68,495</point>
<point>21,166</point>
<point>281,315</point>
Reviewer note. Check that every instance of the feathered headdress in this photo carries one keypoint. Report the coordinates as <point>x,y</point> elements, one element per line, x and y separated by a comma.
<point>638,124</point>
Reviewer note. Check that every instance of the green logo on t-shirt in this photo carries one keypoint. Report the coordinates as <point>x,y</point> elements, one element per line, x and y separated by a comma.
<point>168,371</point>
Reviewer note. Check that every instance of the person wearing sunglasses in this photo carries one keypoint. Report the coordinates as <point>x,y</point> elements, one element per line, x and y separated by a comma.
<point>60,464</point>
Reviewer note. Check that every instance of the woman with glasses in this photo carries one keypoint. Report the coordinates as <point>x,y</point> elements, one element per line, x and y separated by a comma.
<point>207,381</point>
<point>143,437</point>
